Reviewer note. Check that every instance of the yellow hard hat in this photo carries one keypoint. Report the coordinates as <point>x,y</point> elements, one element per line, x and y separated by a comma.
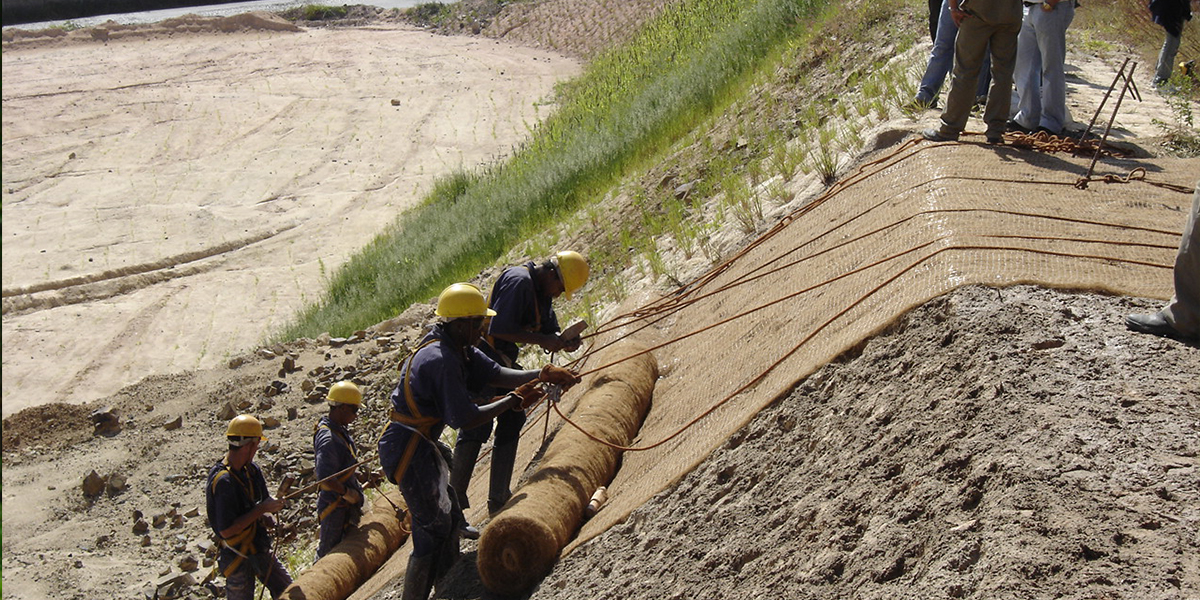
<point>462,300</point>
<point>345,392</point>
<point>245,426</point>
<point>572,270</point>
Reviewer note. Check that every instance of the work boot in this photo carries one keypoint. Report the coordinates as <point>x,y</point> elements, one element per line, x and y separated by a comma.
<point>418,579</point>
<point>503,459</point>
<point>465,455</point>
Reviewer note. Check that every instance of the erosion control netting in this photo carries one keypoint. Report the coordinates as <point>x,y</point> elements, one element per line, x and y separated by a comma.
<point>909,226</point>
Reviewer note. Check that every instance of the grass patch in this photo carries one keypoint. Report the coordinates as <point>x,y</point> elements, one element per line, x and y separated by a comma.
<point>315,12</point>
<point>628,105</point>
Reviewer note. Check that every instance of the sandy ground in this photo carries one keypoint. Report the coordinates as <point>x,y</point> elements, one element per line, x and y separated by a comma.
<point>1023,444</point>
<point>172,200</point>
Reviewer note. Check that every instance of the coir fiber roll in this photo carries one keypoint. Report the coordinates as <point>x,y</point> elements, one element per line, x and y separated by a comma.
<point>523,540</point>
<point>380,532</point>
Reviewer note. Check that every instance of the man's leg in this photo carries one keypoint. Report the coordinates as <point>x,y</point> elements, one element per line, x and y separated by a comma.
<point>969,49</point>
<point>239,585</point>
<point>1027,73</point>
<point>1052,45</point>
<point>1183,312</point>
<point>941,58</point>
<point>1003,49</point>
<point>1166,58</point>
<point>277,577</point>
<point>466,453</point>
<point>504,457</point>
<point>333,529</point>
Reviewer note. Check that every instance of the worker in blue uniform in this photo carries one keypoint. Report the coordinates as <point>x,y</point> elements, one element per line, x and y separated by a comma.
<point>340,499</point>
<point>521,297</point>
<point>239,506</point>
<point>438,385</point>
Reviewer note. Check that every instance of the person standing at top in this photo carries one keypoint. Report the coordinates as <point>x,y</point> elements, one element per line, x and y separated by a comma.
<point>1041,77</point>
<point>1171,15</point>
<point>983,26</point>
<point>340,500</point>
<point>238,506</point>
<point>941,61</point>
<point>522,297</point>
<point>438,385</point>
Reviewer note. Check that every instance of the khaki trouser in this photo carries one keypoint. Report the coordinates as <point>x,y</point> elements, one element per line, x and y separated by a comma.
<point>1183,311</point>
<point>993,24</point>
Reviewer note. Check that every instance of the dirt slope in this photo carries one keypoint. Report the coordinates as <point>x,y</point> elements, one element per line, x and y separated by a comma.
<point>1017,443</point>
<point>1014,443</point>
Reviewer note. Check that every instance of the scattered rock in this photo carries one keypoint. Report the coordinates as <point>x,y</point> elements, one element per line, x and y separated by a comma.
<point>159,521</point>
<point>265,353</point>
<point>192,513</point>
<point>175,424</point>
<point>189,563</point>
<point>93,485</point>
<point>270,422</point>
<point>292,413</point>
<point>140,527</point>
<point>116,484</point>
<point>227,412</point>
<point>145,541</point>
<point>107,422</point>
<point>237,361</point>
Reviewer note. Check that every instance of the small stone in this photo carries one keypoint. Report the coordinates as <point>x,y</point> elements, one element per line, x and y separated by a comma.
<point>227,412</point>
<point>237,361</point>
<point>292,413</point>
<point>395,102</point>
<point>116,484</point>
<point>270,422</point>
<point>289,365</point>
<point>175,424</point>
<point>140,526</point>
<point>189,563</point>
<point>307,385</point>
<point>244,404</point>
<point>145,541</point>
<point>265,353</point>
<point>93,485</point>
<point>192,513</point>
<point>159,521</point>
<point>107,422</point>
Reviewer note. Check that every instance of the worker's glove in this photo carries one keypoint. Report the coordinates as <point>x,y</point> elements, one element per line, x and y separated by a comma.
<point>351,497</point>
<point>530,394</point>
<point>558,375</point>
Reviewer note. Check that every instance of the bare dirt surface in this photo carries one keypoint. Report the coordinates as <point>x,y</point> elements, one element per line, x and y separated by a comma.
<point>1014,443</point>
<point>164,212</point>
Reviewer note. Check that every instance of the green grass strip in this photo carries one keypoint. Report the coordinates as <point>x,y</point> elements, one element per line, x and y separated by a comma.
<point>628,105</point>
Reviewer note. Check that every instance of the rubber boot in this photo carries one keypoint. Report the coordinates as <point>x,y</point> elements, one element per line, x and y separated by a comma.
<point>418,579</point>
<point>465,455</point>
<point>503,459</point>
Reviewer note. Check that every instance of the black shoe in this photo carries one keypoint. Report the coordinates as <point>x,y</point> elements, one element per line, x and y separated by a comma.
<point>1015,127</point>
<point>995,140</point>
<point>468,532</point>
<point>1046,130</point>
<point>1153,324</point>
<point>934,135</point>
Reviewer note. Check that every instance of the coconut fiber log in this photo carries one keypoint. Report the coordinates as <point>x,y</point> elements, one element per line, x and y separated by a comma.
<point>521,543</point>
<point>339,573</point>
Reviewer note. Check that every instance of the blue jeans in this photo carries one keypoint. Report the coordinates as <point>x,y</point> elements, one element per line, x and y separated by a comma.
<point>1166,58</point>
<point>941,60</point>
<point>1040,75</point>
